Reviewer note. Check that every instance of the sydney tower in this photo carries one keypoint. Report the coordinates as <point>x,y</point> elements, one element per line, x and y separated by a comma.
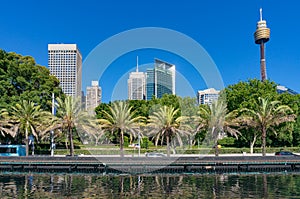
<point>261,36</point>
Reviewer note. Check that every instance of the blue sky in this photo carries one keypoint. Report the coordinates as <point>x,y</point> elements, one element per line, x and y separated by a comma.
<point>223,28</point>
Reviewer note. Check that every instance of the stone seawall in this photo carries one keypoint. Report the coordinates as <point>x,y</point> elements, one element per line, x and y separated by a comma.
<point>196,164</point>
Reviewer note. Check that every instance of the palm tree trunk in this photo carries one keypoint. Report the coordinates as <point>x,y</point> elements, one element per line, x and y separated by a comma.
<point>215,139</point>
<point>168,145</point>
<point>67,142</point>
<point>96,141</point>
<point>252,144</point>
<point>71,142</point>
<point>264,141</point>
<point>216,149</point>
<point>26,141</point>
<point>122,144</point>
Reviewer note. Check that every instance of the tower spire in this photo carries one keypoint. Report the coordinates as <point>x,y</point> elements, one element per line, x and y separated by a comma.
<point>137,63</point>
<point>260,12</point>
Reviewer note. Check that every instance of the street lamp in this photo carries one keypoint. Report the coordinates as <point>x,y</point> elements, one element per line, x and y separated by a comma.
<point>52,132</point>
<point>139,140</point>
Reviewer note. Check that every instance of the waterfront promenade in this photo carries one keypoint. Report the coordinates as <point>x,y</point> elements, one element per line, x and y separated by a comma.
<point>114,164</point>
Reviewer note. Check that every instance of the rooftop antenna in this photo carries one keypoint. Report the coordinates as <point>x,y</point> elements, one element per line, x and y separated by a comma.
<point>137,63</point>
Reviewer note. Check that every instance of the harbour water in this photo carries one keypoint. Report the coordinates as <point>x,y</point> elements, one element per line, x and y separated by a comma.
<point>37,185</point>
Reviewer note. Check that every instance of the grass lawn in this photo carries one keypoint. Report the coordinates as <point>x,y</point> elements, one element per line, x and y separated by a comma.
<point>114,150</point>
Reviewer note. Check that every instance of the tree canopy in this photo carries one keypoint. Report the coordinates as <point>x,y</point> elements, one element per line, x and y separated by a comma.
<point>246,94</point>
<point>22,79</point>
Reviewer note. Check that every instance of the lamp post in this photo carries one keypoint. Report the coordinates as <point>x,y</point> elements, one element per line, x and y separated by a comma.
<point>139,140</point>
<point>52,132</point>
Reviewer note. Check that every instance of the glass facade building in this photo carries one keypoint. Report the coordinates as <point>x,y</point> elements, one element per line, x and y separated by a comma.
<point>150,85</point>
<point>282,89</point>
<point>160,79</point>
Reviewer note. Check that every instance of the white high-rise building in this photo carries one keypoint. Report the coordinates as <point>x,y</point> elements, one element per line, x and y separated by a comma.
<point>137,85</point>
<point>65,62</point>
<point>93,96</point>
<point>207,96</point>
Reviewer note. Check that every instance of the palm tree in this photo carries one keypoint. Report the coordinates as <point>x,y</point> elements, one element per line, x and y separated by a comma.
<point>266,115</point>
<point>216,120</point>
<point>166,124</point>
<point>120,118</point>
<point>69,116</point>
<point>97,136</point>
<point>5,126</point>
<point>27,118</point>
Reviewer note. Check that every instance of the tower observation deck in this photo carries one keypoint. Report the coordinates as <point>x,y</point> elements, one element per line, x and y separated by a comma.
<point>261,36</point>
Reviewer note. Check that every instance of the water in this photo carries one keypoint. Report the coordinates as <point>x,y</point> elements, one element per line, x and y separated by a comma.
<point>14,185</point>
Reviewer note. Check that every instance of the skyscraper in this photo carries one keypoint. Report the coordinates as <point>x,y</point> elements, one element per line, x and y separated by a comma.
<point>65,62</point>
<point>150,84</point>
<point>207,96</point>
<point>93,96</point>
<point>137,85</point>
<point>160,80</point>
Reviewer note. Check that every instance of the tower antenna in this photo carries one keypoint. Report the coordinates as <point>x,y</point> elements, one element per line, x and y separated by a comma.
<point>260,12</point>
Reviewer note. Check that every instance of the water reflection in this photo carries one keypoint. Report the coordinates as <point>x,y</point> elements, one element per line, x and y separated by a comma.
<point>149,186</point>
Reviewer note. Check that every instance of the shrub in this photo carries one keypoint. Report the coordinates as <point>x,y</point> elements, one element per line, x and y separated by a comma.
<point>126,141</point>
<point>227,142</point>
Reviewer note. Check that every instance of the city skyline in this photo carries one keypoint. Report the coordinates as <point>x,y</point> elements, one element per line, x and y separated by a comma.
<point>224,29</point>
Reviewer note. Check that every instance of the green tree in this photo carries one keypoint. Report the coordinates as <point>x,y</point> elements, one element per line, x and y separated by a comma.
<point>189,108</point>
<point>165,124</point>
<point>245,94</point>
<point>170,100</point>
<point>6,128</point>
<point>140,107</point>
<point>22,79</point>
<point>28,118</point>
<point>296,134</point>
<point>216,120</point>
<point>287,134</point>
<point>101,108</point>
<point>252,135</point>
<point>121,119</point>
<point>71,118</point>
<point>265,116</point>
